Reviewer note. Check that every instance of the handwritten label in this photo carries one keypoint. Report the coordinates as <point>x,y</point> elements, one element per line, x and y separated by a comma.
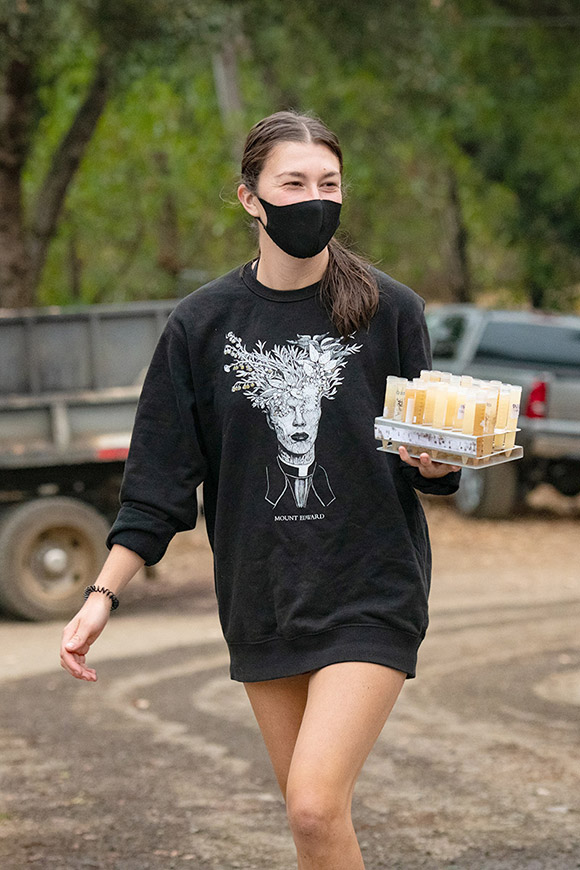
<point>425,438</point>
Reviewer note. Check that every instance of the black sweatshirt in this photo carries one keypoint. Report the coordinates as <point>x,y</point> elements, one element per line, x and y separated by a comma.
<point>321,548</point>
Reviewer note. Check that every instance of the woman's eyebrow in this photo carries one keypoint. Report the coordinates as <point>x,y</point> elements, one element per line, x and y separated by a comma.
<point>302,175</point>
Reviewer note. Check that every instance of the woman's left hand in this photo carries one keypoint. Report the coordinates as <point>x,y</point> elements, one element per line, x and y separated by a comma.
<point>425,464</point>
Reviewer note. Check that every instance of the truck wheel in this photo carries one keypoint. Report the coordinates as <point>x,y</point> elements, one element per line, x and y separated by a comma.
<point>50,549</point>
<point>491,493</point>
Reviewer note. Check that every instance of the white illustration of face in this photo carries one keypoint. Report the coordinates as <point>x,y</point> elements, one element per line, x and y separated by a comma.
<point>295,422</point>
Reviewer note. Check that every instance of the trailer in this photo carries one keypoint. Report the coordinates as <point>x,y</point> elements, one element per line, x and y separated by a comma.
<point>70,380</point>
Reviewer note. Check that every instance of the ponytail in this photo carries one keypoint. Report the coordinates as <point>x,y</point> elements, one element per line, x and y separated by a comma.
<point>349,291</point>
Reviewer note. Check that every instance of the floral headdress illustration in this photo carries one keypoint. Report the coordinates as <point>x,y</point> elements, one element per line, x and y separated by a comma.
<point>268,377</point>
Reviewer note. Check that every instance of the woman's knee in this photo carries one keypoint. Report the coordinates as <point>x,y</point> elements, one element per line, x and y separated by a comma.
<point>314,814</point>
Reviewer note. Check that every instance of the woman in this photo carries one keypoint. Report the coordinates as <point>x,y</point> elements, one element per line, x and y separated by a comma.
<point>264,385</point>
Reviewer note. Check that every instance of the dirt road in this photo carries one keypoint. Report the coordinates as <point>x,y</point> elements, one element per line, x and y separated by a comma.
<point>160,764</point>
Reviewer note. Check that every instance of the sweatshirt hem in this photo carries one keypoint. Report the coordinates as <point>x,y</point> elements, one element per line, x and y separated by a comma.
<point>282,657</point>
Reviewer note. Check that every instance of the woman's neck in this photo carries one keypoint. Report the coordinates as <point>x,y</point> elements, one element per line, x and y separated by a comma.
<point>279,271</point>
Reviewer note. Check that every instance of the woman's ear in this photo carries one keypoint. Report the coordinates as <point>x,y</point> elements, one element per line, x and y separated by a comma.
<point>248,200</point>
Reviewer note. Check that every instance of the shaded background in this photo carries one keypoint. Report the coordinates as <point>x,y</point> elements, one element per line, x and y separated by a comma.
<point>122,123</point>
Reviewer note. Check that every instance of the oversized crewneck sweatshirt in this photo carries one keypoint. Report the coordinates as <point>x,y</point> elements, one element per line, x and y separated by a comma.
<point>321,547</point>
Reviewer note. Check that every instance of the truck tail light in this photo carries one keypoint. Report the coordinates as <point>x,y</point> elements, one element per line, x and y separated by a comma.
<point>110,454</point>
<point>537,400</point>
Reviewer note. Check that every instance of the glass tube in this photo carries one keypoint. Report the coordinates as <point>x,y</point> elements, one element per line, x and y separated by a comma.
<point>390,396</point>
<point>459,409</point>
<point>440,408</point>
<point>513,414</point>
<point>489,420</point>
<point>451,405</point>
<point>502,416</point>
<point>430,403</point>
<point>420,399</point>
<point>469,415</point>
<point>409,402</point>
<point>400,398</point>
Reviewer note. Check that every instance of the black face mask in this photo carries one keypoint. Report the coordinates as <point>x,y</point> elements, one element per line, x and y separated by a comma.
<point>302,229</point>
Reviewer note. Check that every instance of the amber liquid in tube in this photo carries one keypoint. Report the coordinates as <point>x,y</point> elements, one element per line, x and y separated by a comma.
<point>489,420</point>
<point>502,416</point>
<point>479,413</point>
<point>478,419</point>
<point>420,399</point>
<point>430,403</point>
<point>409,403</point>
<point>440,409</point>
<point>469,415</point>
<point>459,409</point>
<point>451,406</point>
<point>513,414</point>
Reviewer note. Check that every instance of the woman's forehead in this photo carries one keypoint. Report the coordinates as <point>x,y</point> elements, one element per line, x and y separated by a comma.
<point>301,157</point>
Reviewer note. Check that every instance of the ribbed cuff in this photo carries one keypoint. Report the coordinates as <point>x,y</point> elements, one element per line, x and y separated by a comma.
<point>431,485</point>
<point>146,535</point>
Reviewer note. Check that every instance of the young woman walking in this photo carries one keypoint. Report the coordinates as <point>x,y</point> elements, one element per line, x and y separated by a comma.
<point>264,386</point>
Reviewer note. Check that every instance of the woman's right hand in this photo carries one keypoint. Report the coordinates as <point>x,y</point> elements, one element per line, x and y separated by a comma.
<point>80,633</point>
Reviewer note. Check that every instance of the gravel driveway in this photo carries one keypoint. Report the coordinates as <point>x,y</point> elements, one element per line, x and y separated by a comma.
<point>160,764</point>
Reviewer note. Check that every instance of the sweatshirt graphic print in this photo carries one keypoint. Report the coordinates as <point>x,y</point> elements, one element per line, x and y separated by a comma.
<point>288,384</point>
<point>320,543</point>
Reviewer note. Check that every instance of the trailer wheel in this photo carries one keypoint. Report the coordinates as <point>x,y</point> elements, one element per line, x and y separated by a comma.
<point>50,549</point>
<point>491,493</point>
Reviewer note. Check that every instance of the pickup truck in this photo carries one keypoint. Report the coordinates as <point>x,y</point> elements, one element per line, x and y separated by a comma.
<point>70,379</point>
<point>540,352</point>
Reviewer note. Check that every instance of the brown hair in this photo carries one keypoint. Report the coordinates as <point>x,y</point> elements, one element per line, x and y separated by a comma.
<point>348,289</point>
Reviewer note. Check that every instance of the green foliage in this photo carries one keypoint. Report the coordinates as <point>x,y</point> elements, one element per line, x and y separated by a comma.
<point>114,206</point>
<point>414,91</point>
<point>514,111</point>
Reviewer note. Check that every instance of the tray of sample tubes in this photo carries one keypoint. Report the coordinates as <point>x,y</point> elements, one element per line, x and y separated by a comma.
<point>456,419</point>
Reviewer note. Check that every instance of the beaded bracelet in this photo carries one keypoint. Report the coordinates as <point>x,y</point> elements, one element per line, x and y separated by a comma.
<point>111,595</point>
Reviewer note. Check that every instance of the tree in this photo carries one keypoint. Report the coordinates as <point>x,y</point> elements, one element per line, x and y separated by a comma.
<point>512,105</point>
<point>483,97</point>
<point>120,38</point>
<point>458,122</point>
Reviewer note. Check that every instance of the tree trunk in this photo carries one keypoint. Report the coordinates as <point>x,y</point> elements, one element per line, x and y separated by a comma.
<point>226,81</point>
<point>169,243</point>
<point>460,282</point>
<point>64,165</point>
<point>75,263</point>
<point>15,104</point>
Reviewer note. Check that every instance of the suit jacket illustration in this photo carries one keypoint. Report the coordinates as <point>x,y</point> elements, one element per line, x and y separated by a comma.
<point>286,487</point>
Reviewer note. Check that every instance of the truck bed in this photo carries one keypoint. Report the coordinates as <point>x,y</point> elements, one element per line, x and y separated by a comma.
<point>70,380</point>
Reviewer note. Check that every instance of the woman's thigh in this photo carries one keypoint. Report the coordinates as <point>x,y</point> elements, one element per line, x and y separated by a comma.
<point>347,706</point>
<point>279,706</point>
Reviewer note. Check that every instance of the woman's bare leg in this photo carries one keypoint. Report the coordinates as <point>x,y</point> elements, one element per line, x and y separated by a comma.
<point>318,729</point>
<point>347,706</point>
<point>279,706</point>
